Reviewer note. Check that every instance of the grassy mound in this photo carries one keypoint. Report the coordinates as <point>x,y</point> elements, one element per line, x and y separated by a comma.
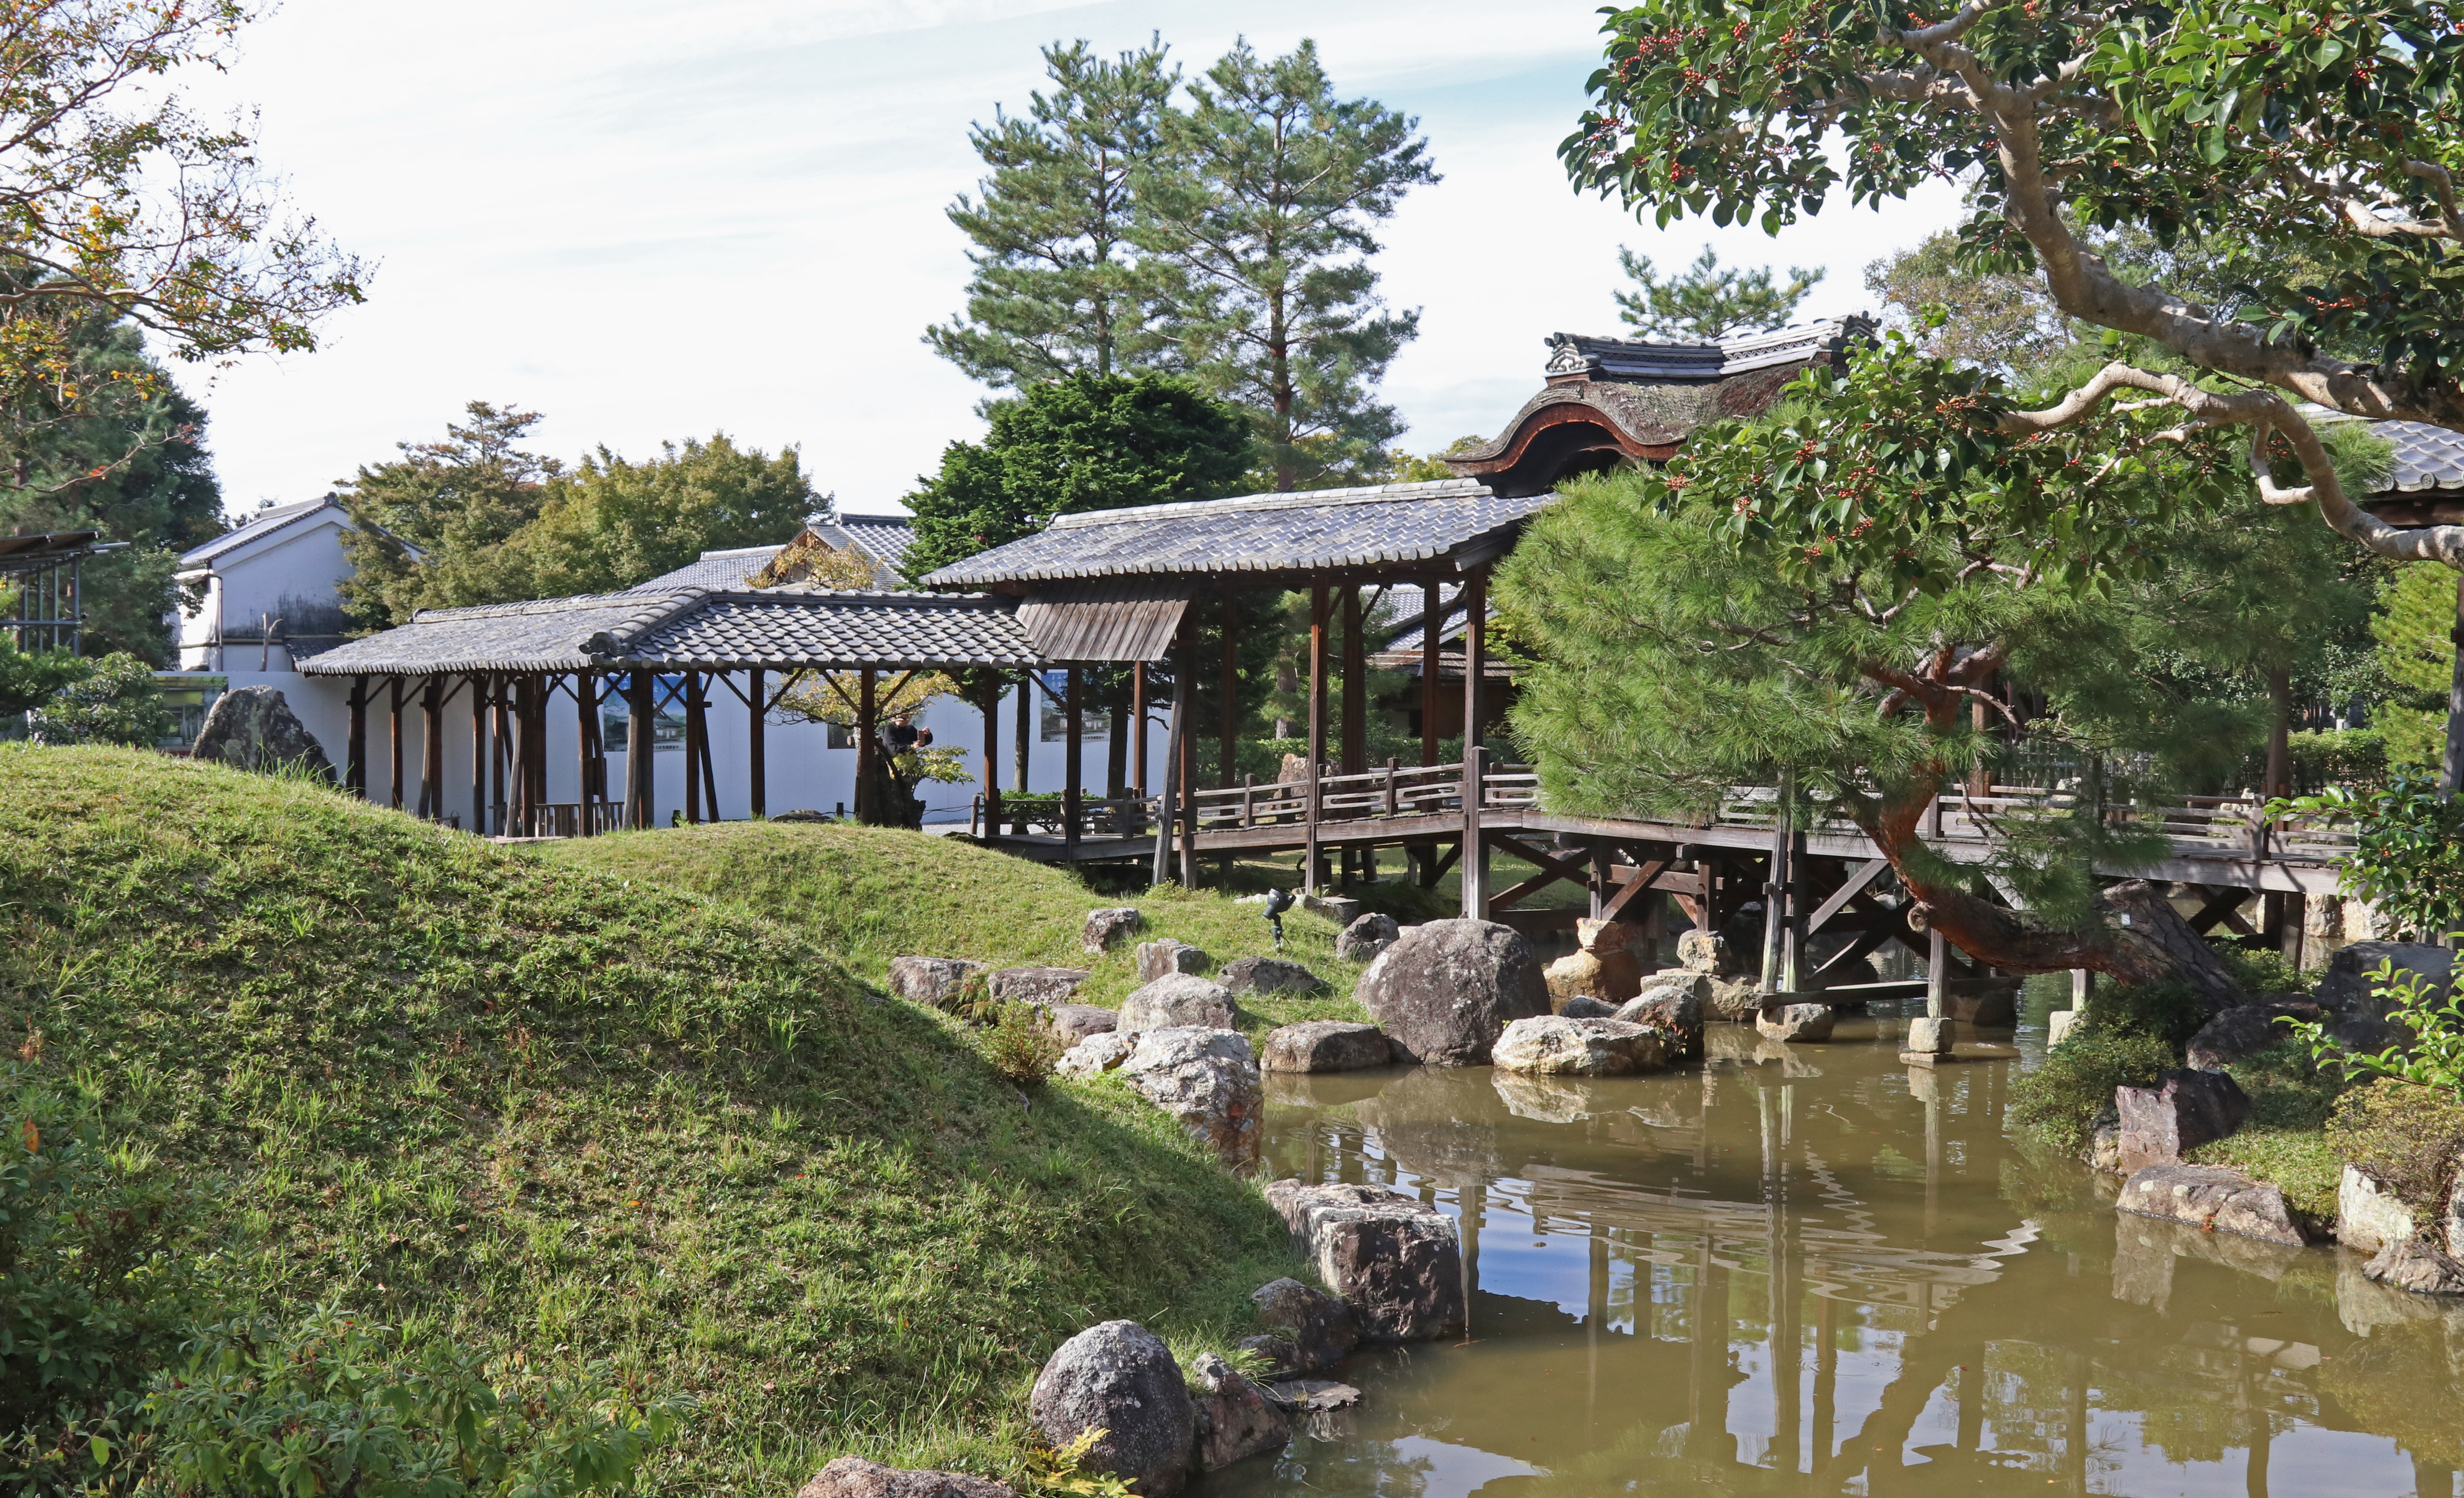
<point>530,1107</point>
<point>873,893</point>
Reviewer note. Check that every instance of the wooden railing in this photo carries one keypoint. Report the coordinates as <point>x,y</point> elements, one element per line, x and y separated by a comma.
<point>2220,823</point>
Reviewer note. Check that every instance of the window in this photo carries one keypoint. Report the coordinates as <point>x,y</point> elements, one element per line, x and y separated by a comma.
<point>1093,722</point>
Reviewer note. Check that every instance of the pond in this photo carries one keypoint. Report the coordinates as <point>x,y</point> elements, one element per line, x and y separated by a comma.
<point>1811,1269</point>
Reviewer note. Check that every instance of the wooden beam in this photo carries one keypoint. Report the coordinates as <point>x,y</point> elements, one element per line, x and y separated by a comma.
<point>756,747</point>
<point>867,749</point>
<point>1429,663</point>
<point>479,754</point>
<point>693,748</point>
<point>393,704</point>
<point>1646,876</point>
<point>1435,869</point>
<point>1227,697</point>
<point>1356,684</point>
<point>1316,731</point>
<point>641,783</point>
<point>1551,869</point>
<point>1138,738</point>
<point>1475,855</point>
<point>2221,906</point>
<point>1859,878</point>
<point>1072,754</point>
<point>431,750</point>
<point>355,752</point>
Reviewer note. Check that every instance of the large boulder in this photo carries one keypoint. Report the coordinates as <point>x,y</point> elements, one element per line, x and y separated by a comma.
<point>1364,939</point>
<point>1110,927</point>
<point>930,979</point>
<point>1446,989</point>
<point>1236,1419</point>
<point>1325,1046</point>
<point>1795,1021</point>
<point>1602,967</point>
<point>1095,1054</point>
<point>1674,1009</point>
<point>1704,952</point>
<point>854,1477</point>
<point>2245,1030</point>
<point>2419,1263</point>
<point>2368,1216</point>
<point>1037,986</point>
<point>1395,1262</point>
<point>1556,1046</point>
<point>1208,1079</point>
<point>253,728</point>
<point>1118,1378</point>
<point>1075,1022</point>
<point>1266,974</point>
<point>2211,1198</point>
<point>1167,956</point>
<point>2345,986</point>
<point>1177,999</point>
<point>2183,1111</point>
<point>1318,1327</point>
<point>1733,998</point>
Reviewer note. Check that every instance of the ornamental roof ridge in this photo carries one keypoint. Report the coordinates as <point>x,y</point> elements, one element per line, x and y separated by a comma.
<point>1734,353</point>
<point>1293,499</point>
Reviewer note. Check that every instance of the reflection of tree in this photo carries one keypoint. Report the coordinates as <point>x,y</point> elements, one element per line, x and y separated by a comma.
<point>1349,1467</point>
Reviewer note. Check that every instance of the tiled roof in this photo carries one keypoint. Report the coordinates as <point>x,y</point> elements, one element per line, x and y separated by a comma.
<point>694,628</point>
<point>1739,353</point>
<point>1313,530</point>
<point>2425,457</point>
<point>258,525</point>
<point>712,569</point>
<point>885,537</point>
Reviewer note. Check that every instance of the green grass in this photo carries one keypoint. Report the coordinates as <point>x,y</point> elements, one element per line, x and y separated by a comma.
<point>873,893</point>
<point>2285,1140</point>
<point>507,1099</point>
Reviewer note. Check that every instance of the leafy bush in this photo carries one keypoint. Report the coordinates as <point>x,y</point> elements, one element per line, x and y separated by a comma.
<point>2338,757</point>
<point>2435,1059</point>
<point>2062,1098</point>
<point>2405,1134</point>
<point>116,703</point>
<point>2170,1013</point>
<point>28,678</point>
<point>2407,858</point>
<point>1020,1044</point>
<point>2263,972</point>
<point>336,1407</point>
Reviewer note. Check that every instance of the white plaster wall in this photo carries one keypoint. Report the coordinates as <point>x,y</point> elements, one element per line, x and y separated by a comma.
<point>305,562</point>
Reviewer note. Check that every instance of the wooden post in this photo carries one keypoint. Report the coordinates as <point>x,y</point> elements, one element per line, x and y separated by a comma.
<point>500,695</point>
<point>585,699</point>
<point>1980,779</point>
<point>1138,717</point>
<point>700,732</point>
<point>756,748</point>
<point>1474,861</point>
<point>479,754</point>
<point>1430,659</point>
<point>1316,731</point>
<point>1227,697</point>
<point>1938,973</point>
<point>991,708</point>
<point>693,748</point>
<point>1602,861</point>
<point>1188,774</point>
<point>518,815</point>
<point>355,771</point>
<point>2450,777</point>
<point>641,783</point>
<point>1775,893</point>
<point>431,750</point>
<point>1472,865</point>
<point>535,755</point>
<point>1072,756</point>
<point>1356,686</point>
<point>1791,952</point>
<point>1175,736</point>
<point>868,751</point>
<point>393,704</point>
<point>1025,734</point>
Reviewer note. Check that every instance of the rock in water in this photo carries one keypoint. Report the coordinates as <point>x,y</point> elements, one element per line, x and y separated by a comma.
<point>1553,1044</point>
<point>2419,1265</point>
<point>1177,999</point>
<point>2185,1110</point>
<point>1317,1326</point>
<point>1208,1079</point>
<point>1734,997</point>
<point>2245,1030</point>
<point>1675,1010</point>
<point>1445,990</point>
<point>1163,959</point>
<point>1325,1046</point>
<point>930,979</point>
<point>2206,1197</point>
<point>1094,1054</point>
<point>1118,1378</point>
<point>1043,985</point>
<point>1795,1021</point>
<point>853,1477</point>
<point>1395,1262</point>
<point>2368,1216</point>
<point>1075,1022</point>
<point>1365,938</point>
<point>253,728</point>
<point>1703,952</point>
<point>1107,928</point>
<point>1236,1418</point>
<point>1266,974</point>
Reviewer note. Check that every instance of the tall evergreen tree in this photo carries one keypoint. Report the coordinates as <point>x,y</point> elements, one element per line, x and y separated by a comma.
<point>1265,195</point>
<point>1059,286</point>
<point>1707,300</point>
<point>438,500</point>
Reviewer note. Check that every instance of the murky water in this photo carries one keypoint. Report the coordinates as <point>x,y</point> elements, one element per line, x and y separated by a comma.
<point>1808,1270</point>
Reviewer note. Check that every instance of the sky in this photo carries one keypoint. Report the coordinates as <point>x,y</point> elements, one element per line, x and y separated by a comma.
<point>654,221</point>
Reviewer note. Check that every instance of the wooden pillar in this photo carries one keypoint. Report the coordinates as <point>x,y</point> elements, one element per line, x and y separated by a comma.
<point>1980,779</point>
<point>2450,777</point>
<point>1356,686</point>
<point>354,763</point>
<point>1175,733</point>
<point>393,704</point>
<point>701,733</point>
<point>1430,659</point>
<point>867,745</point>
<point>1187,772</point>
<point>517,814</point>
<point>535,736</point>
<point>479,754</point>
<point>1316,731</point>
<point>1025,733</point>
<point>693,748</point>
<point>1227,697</point>
<point>756,749</point>
<point>1474,862</point>
<point>988,703</point>
<point>641,782</point>
<point>1937,974</point>
<point>1792,951</point>
<point>431,750</point>
<point>1072,754</point>
<point>1138,738</point>
<point>500,696</point>
<point>586,731</point>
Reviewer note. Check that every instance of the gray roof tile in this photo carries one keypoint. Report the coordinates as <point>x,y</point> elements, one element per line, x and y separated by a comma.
<point>259,524</point>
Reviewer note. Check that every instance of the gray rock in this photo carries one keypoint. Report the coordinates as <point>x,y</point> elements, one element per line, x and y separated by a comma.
<point>1281,1358</point>
<point>1177,999</point>
<point>1075,1022</point>
<point>2345,986</point>
<point>1734,999</point>
<point>1395,1262</point>
<point>2212,1199</point>
<point>1364,939</point>
<point>1675,1009</point>
<point>1318,1327</point>
<point>1703,952</point>
<point>1795,1021</point>
<point>1041,985</point>
<point>1583,1007</point>
<point>1266,974</point>
<point>853,1477</point>
<point>1445,990</point>
<point>1161,959</point>
<point>1118,1378</point>
<point>1208,1079</point>
<point>2368,1036</point>
<point>1341,909</point>
<point>2368,1216</point>
<point>1094,1054</point>
<point>1236,1418</point>
<point>930,979</point>
<point>2103,1140</point>
<point>1553,1044</point>
<point>1110,927</point>
<point>253,728</point>
<point>2419,1265</point>
<point>2185,1110</point>
<point>1325,1046</point>
<point>2245,1030</point>
<point>1927,1038</point>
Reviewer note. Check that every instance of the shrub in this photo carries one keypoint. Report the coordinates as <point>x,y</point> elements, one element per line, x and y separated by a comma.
<point>2434,1060</point>
<point>1020,1044</point>
<point>2170,1013</point>
<point>116,703</point>
<point>2405,1134</point>
<point>2407,856</point>
<point>2062,1098</point>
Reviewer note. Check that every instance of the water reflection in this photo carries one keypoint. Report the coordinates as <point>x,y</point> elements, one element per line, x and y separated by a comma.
<point>1813,1272</point>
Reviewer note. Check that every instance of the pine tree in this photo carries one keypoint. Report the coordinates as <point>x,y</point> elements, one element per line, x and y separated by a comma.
<point>1265,195</point>
<point>438,500</point>
<point>1059,287</point>
<point>1708,300</point>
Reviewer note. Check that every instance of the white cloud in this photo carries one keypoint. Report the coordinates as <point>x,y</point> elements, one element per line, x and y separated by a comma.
<point>656,221</point>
